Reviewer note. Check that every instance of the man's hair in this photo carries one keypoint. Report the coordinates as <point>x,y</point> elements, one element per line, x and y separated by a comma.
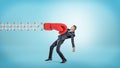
<point>75,27</point>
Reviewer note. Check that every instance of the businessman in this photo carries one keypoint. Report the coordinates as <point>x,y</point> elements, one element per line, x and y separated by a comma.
<point>70,33</point>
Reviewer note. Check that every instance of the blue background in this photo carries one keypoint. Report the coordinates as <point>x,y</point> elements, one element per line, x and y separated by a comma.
<point>97,36</point>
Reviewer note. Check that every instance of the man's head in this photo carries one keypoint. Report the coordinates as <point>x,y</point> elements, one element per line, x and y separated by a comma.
<point>73,28</point>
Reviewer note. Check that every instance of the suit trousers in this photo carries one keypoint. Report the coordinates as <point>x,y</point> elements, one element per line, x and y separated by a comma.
<point>56,44</point>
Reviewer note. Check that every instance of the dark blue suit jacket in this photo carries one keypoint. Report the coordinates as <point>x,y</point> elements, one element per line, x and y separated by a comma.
<point>67,35</point>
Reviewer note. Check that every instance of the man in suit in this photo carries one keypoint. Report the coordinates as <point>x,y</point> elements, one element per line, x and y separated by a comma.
<point>70,33</point>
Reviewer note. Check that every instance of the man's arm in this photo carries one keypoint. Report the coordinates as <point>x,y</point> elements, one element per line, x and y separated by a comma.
<point>73,45</point>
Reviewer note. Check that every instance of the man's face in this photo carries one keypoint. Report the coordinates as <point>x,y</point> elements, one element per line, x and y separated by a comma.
<point>72,28</point>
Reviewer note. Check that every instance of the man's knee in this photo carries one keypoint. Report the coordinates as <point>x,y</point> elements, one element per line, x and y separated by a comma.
<point>58,50</point>
<point>51,47</point>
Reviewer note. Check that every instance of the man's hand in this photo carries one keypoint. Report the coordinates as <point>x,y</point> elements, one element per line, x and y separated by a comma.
<point>73,49</point>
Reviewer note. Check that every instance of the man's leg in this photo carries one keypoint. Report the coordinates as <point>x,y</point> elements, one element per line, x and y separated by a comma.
<point>59,52</point>
<point>51,51</point>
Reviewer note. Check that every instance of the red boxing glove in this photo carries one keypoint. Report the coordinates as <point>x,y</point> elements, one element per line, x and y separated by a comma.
<point>62,28</point>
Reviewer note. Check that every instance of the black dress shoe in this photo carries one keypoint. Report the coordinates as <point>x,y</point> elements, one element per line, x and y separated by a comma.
<point>63,61</point>
<point>48,60</point>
